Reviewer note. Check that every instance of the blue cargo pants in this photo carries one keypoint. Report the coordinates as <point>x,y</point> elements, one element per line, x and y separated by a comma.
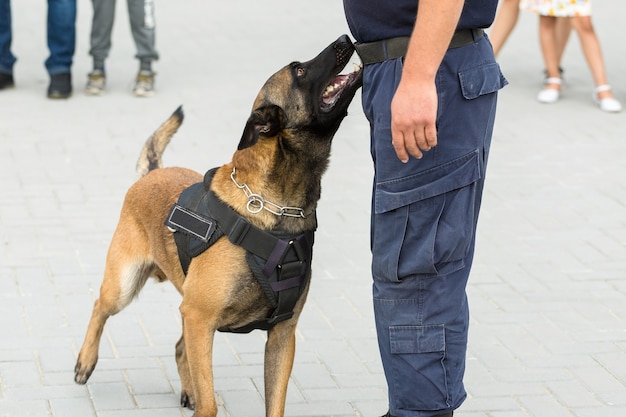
<point>424,216</point>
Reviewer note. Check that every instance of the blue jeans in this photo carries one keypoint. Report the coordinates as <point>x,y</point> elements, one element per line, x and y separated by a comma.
<point>424,216</point>
<point>6,57</point>
<point>61,36</point>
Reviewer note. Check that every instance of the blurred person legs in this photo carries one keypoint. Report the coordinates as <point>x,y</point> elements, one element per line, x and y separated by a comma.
<point>61,36</point>
<point>142,23</point>
<point>6,57</point>
<point>506,19</point>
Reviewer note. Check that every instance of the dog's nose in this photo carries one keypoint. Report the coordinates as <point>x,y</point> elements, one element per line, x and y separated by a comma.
<point>344,39</point>
<point>343,49</point>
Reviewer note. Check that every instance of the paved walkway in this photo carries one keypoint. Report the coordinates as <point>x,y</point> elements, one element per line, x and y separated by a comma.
<point>548,291</point>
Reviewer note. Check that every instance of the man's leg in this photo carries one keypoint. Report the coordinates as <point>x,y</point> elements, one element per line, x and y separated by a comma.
<point>6,57</point>
<point>424,216</point>
<point>61,43</point>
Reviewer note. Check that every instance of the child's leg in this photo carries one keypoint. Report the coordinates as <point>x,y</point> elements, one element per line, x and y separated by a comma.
<point>593,53</point>
<point>562,30</point>
<point>547,39</point>
<point>506,19</point>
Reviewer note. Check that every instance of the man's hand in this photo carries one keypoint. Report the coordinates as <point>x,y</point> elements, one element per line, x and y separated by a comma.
<point>414,105</point>
<point>413,118</point>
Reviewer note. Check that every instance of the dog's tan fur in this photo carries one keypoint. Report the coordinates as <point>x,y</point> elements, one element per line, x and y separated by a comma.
<point>279,157</point>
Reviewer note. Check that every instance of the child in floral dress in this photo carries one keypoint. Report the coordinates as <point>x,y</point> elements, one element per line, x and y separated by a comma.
<point>558,8</point>
<point>579,11</point>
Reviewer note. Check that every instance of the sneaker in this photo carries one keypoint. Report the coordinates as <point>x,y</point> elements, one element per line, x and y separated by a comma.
<point>95,83</point>
<point>6,81</point>
<point>60,86</point>
<point>144,84</point>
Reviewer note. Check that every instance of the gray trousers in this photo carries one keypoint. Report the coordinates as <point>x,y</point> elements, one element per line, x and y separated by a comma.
<point>142,24</point>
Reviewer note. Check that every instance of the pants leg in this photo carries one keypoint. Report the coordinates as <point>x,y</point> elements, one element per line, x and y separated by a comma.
<point>424,216</point>
<point>61,35</point>
<point>7,59</point>
<point>101,29</point>
<point>142,24</point>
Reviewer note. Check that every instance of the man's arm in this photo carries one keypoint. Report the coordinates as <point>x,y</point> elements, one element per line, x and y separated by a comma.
<point>414,105</point>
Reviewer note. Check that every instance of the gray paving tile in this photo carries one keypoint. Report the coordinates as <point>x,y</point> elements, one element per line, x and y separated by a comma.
<point>547,293</point>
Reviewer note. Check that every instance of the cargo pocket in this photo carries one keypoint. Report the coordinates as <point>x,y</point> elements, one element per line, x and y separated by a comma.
<point>418,365</point>
<point>424,223</point>
<point>481,80</point>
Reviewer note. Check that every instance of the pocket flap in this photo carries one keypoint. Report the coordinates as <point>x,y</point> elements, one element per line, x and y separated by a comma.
<point>417,339</point>
<point>453,175</point>
<point>481,80</point>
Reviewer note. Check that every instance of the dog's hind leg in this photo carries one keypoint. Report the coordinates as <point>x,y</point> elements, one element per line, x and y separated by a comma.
<point>187,398</point>
<point>199,332</point>
<point>125,274</point>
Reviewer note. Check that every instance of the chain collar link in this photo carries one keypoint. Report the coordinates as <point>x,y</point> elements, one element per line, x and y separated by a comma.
<point>256,202</point>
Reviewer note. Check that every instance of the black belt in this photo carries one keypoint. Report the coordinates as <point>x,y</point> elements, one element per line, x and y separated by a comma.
<point>379,51</point>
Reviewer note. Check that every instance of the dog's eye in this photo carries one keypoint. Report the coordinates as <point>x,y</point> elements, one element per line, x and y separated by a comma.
<point>300,72</point>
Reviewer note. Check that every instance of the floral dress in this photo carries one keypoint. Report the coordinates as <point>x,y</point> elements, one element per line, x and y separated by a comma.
<point>558,8</point>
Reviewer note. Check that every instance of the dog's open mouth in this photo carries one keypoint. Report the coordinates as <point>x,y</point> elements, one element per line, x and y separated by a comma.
<point>337,86</point>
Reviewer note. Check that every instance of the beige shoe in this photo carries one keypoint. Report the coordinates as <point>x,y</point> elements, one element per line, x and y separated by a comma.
<point>144,84</point>
<point>96,81</point>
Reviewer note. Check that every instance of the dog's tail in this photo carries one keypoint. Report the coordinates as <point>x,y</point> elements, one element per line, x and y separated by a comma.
<point>150,157</point>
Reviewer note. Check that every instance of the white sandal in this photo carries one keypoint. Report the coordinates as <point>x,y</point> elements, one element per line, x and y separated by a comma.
<point>608,104</point>
<point>550,95</point>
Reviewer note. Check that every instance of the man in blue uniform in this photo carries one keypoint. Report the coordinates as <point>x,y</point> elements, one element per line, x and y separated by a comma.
<point>429,92</point>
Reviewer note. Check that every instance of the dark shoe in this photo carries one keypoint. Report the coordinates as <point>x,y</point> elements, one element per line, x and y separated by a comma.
<point>60,86</point>
<point>6,81</point>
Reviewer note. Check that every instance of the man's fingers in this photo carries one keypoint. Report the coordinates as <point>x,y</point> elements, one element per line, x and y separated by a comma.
<point>412,143</point>
<point>400,148</point>
<point>430,134</point>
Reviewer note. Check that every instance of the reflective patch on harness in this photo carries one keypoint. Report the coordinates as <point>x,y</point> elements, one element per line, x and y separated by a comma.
<point>186,221</point>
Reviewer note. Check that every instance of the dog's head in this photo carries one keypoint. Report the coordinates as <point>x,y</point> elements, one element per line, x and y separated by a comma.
<point>305,102</point>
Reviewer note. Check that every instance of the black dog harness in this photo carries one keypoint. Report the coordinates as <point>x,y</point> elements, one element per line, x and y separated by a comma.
<point>281,263</point>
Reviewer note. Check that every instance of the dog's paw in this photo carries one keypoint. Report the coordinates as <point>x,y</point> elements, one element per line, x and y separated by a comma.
<point>187,401</point>
<point>81,373</point>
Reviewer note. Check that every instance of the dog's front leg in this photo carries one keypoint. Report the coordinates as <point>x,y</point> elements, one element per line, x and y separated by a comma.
<point>279,355</point>
<point>198,333</point>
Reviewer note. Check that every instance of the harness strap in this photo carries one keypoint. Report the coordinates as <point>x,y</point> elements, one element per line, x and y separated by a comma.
<point>199,232</point>
<point>281,264</point>
<point>242,233</point>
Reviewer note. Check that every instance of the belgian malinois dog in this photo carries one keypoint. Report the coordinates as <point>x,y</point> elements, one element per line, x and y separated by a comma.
<point>273,181</point>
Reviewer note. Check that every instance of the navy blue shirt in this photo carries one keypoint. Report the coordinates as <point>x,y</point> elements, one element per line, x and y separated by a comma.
<point>373,20</point>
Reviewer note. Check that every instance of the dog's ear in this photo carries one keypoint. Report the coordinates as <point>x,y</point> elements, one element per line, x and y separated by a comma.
<point>265,121</point>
